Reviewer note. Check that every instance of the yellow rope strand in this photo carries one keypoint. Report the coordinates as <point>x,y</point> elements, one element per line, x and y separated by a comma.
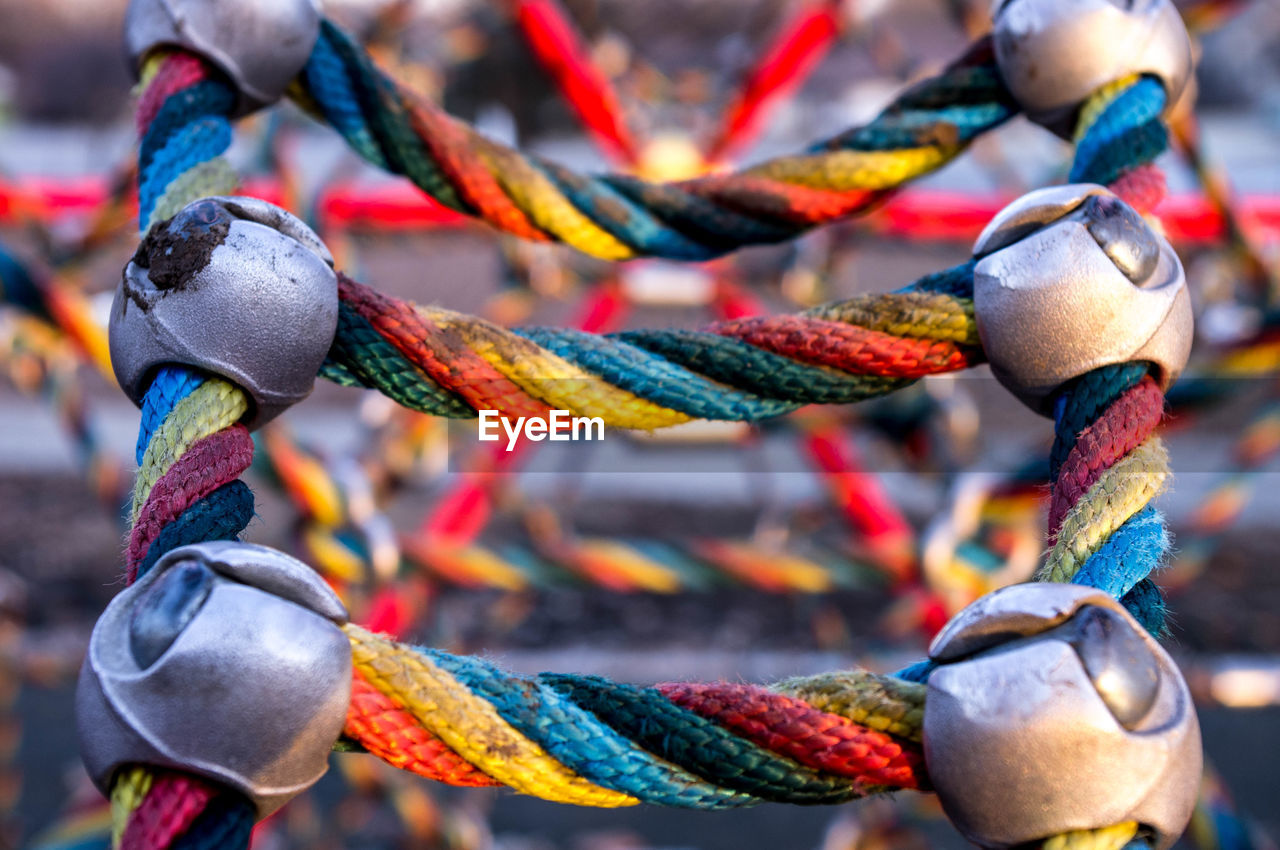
<point>547,207</point>
<point>127,792</point>
<point>1123,490</point>
<point>471,726</point>
<point>850,171</point>
<point>552,379</point>
<point>1098,103</point>
<point>212,406</point>
<point>213,177</point>
<point>916,315</point>
<point>882,703</point>
<point>1106,838</point>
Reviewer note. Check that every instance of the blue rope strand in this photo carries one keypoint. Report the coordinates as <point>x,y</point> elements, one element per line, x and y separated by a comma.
<point>171,385</point>
<point>1133,552</point>
<point>198,142</point>
<point>623,219</point>
<point>209,98</point>
<point>1146,603</point>
<point>226,822</point>
<point>1129,132</point>
<point>329,86</point>
<point>957,281</point>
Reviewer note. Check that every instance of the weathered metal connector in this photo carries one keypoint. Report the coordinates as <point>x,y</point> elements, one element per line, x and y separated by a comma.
<point>226,660</point>
<point>260,45</point>
<point>1054,54</point>
<point>1069,279</point>
<point>234,286</point>
<point>1052,710</point>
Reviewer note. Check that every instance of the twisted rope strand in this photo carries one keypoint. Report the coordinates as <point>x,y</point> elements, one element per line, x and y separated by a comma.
<point>617,217</point>
<point>208,464</point>
<point>212,407</point>
<point>816,739</point>
<point>737,370</point>
<point>1121,428</point>
<point>1119,493</point>
<point>1104,531</point>
<point>884,703</point>
<point>572,739</point>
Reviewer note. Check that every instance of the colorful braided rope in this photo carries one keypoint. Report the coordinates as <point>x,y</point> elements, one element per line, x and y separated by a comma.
<point>583,739</point>
<point>618,217</point>
<point>191,451</point>
<point>188,491</point>
<point>741,370</point>
<point>1107,463</point>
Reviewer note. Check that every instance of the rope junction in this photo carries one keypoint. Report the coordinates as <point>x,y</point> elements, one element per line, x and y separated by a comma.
<point>582,739</point>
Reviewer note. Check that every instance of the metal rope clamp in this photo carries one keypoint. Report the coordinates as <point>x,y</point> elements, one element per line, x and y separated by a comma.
<point>260,45</point>
<point>233,286</point>
<point>1054,54</point>
<point>226,660</point>
<point>1052,710</point>
<point>1071,278</point>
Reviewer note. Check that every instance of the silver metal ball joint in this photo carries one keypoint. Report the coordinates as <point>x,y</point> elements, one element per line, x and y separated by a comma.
<point>1071,278</point>
<point>260,45</point>
<point>1052,710</point>
<point>226,660</point>
<point>1054,54</point>
<point>236,287</point>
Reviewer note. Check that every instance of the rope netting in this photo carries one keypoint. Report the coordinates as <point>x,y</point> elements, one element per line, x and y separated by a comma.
<point>583,739</point>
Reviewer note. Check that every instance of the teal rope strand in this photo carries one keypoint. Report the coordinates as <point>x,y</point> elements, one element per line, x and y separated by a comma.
<point>581,742</point>
<point>698,745</point>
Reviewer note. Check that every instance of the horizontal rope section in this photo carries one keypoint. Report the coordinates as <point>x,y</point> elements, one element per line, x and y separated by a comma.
<point>449,364</point>
<point>587,741</point>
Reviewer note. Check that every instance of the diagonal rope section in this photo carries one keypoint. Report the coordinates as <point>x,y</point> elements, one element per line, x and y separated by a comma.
<point>617,217</point>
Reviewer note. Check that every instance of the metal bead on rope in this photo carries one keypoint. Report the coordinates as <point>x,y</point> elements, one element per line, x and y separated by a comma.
<point>227,661</point>
<point>1053,54</point>
<point>1069,279</point>
<point>236,287</point>
<point>260,45</point>
<point>1051,711</point>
